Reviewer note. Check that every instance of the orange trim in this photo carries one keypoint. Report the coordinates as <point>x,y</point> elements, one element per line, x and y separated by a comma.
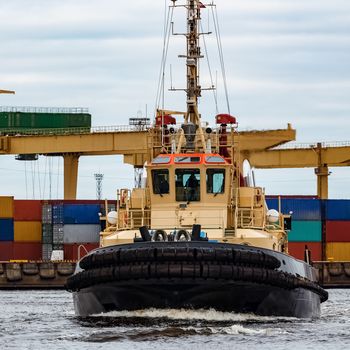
<point>201,156</point>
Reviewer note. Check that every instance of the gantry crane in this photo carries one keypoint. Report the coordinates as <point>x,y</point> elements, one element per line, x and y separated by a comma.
<point>135,146</point>
<point>7,92</point>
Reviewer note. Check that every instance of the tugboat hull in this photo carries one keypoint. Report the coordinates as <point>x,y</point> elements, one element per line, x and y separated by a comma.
<point>197,275</point>
<point>216,294</point>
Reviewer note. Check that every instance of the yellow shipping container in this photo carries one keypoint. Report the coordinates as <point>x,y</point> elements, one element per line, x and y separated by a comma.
<point>27,231</point>
<point>6,207</point>
<point>338,251</point>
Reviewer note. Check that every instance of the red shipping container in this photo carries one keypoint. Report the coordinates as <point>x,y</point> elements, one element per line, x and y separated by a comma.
<point>6,251</point>
<point>297,249</point>
<point>27,251</point>
<point>27,210</point>
<point>338,231</point>
<point>71,250</point>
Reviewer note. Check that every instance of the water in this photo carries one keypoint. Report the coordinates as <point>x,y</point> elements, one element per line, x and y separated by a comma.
<point>46,320</point>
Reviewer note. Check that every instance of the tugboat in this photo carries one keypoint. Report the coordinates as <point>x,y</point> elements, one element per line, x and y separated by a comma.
<point>195,235</point>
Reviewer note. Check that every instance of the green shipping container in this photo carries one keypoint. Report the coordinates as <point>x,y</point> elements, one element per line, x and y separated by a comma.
<point>305,231</point>
<point>23,120</point>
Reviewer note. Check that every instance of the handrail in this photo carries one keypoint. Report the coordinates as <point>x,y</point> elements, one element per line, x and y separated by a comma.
<point>31,109</point>
<point>311,145</point>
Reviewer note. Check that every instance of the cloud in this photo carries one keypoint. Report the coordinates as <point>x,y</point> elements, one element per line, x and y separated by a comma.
<point>286,61</point>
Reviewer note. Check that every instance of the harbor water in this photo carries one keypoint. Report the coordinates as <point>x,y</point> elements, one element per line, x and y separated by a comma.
<point>46,320</point>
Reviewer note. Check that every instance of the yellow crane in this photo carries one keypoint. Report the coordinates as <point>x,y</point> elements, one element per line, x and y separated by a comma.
<point>7,92</point>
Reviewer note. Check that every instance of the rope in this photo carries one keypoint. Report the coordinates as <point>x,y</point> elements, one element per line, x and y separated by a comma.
<point>58,175</point>
<point>33,178</point>
<point>25,175</point>
<point>38,168</point>
<point>221,55</point>
<point>210,73</point>
<point>43,196</point>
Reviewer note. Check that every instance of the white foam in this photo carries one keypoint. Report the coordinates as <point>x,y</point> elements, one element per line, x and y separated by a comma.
<point>188,314</point>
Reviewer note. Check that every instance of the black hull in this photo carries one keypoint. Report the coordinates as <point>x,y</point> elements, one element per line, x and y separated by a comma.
<point>272,284</point>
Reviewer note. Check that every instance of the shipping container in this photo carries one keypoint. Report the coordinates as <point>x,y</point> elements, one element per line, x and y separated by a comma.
<point>27,231</point>
<point>338,231</point>
<point>81,233</point>
<point>27,210</point>
<point>338,251</point>
<point>82,213</point>
<point>46,251</point>
<point>6,251</point>
<point>302,209</point>
<point>36,120</point>
<point>310,231</point>
<point>27,251</point>
<point>46,213</point>
<point>6,230</point>
<point>338,209</point>
<point>297,250</point>
<point>71,251</point>
<point>6,207</point>
<point>57,230</point>
<point>57,214</point>
<point>47,234</point>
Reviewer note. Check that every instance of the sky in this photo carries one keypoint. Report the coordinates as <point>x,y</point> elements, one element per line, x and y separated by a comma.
<point>286,62</point>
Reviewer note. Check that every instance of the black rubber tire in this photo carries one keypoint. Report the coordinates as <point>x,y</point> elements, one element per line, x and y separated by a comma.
<point>177,252</point>
<point>190,270</point>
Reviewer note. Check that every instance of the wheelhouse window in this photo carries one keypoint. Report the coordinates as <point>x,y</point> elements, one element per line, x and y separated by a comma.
<point>160,179</point>
<point>215,181</point>
<point>187,184</point>
<point>161,160</point>
<point>185,159</point>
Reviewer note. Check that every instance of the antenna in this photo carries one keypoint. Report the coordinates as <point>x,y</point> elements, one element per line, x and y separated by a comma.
<point>99,179</point>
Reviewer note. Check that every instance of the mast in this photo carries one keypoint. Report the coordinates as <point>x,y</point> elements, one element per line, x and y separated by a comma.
<point>192,60</point>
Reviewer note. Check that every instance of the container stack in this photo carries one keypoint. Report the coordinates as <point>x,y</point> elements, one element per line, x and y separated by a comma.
<point>32,229</point>
<point>306,229</point>
<point>6,228</point>
<point>27,230</point>
<point>57,226</point>
<point>47,231</point>
<point>338,230</point>
<point>81,227</point>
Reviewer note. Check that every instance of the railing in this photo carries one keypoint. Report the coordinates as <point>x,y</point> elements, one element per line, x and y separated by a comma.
<point>69,131</point>
<point>310,145</point>
<point>30,109</point>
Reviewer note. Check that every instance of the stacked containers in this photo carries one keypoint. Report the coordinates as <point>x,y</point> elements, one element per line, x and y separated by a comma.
<point>27,230</point>
<point>31,229</point>
<point>81,227</point>
<point>57,226</point>
<point>306,229</point>
<point>337,213</point>
<point>47,231</point>
<point>6,228</point>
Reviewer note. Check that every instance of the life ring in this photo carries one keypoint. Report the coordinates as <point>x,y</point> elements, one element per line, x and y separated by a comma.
<point>125,218</point>
<point>123,197</point>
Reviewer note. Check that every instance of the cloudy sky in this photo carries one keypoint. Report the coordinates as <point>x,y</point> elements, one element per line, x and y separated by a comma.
<point>286,61</point>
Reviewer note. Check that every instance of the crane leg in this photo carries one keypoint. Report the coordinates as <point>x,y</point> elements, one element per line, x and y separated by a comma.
<point>70,175</point>
<point>322,181</point>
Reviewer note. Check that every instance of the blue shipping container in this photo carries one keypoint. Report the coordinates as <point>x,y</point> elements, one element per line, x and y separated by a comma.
<point>6,230</point>
<point>302,208</point>
<point>338,209</point>
<point>57,214</point>
<point>81,213</point>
